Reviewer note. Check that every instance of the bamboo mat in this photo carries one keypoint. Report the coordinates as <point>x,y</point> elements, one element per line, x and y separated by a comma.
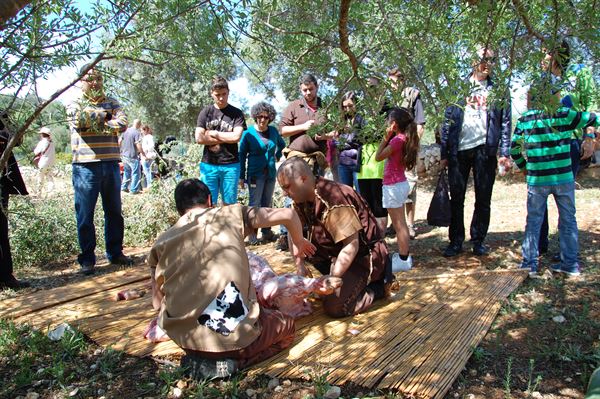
<point>417,342</point>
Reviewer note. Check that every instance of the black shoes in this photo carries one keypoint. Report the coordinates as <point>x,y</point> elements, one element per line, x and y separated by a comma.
<point>122,260</point>
<point>480,250</point>
<point>200,368</point>
<point>282,243</point>
<point>269,236</point>
<point>14,284</point>
<point>88,269</point>
<point>452,250</point>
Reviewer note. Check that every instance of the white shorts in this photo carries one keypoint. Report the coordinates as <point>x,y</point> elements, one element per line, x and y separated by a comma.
<point>395,195</point>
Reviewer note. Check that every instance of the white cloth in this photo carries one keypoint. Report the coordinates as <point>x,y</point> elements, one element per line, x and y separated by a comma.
<point>148,146</point>
<point>474,127</point>
<point>49,156</point>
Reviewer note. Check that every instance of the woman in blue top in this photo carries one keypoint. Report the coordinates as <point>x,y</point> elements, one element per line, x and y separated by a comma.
<point>261,145</point>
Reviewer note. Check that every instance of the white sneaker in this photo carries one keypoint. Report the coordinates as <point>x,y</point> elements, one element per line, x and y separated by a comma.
<point>399,265</point>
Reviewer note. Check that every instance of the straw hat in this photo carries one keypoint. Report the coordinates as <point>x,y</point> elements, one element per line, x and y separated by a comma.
<point>45,130</point>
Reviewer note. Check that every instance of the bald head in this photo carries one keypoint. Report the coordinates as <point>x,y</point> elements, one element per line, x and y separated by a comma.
<point>293,167</point>
<point>296,179</point>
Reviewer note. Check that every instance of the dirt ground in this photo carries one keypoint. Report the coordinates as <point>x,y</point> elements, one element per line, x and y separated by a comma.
<point>544,343</point>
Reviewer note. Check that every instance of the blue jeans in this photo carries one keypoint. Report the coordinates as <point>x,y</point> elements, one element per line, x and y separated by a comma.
<point>348,175</point>
<point>221,179</point>
<point>147,167</point>
<point>537,196</point>
<point>575,155</point>
<point>287,203</point>
<point>260,190</point>
<point>89,181</point>
<point>131,174</point>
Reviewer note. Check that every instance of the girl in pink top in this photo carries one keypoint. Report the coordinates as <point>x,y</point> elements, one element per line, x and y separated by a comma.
<point>399,148</point>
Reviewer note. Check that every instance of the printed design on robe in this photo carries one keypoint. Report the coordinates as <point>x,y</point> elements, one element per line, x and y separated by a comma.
<point>225,312</point>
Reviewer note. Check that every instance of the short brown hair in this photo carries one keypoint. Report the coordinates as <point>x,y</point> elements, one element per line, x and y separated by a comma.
<point>396,72</point>
<point>218,83</point>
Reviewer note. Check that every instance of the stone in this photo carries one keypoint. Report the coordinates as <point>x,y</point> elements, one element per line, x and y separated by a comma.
<point>273,383</point>
<point>32,395</point>
<point>333,393</point>
<point>559,319</point>
<point>181,384</point>
<point>177,392</point>
<point>286,383</point>
<point>536,395</point>
<point>97,352</point>
<point>100,392</point>
<point>278,388</point>
<point>74,392</point>
<point>472,372</point>
<point>250,393</point>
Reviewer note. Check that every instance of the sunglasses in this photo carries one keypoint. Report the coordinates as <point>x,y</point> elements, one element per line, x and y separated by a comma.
<point>489,60</point>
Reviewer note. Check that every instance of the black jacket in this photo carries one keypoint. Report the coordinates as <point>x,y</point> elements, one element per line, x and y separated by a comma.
<point>498,128</point>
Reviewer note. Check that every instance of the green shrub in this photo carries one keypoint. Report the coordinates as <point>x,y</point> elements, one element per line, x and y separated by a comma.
<point>149,214</point>
<point>42,232</point>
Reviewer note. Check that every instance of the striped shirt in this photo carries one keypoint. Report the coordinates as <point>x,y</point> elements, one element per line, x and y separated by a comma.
<point>95,126</point>
<point>546,141</point>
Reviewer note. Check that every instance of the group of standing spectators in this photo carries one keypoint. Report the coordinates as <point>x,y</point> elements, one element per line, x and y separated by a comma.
<point>138,153</point>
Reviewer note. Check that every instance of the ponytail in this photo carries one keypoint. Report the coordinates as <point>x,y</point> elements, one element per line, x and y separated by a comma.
<point>411,147</point>
<point>406,124</point>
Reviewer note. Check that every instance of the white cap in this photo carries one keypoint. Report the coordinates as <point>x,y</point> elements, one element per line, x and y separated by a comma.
<point>45,130</point>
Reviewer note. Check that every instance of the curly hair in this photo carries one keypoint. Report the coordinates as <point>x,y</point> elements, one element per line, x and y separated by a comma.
<point>261,107</point>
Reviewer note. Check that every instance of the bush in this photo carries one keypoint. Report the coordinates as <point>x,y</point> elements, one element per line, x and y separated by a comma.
<point>42,232</point>
<point>149,214</point>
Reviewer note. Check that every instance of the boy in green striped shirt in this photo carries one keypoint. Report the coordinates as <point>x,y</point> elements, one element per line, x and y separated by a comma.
<point>541,147</point>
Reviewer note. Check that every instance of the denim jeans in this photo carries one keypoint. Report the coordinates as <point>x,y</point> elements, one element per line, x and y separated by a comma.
<point>90,180</point>
<point>484,176</point>
<point>348,176</point>
<point>287,203</point>
<point>222,179</point>
<point>260,190</point>
<point>575,155</point>
<point>537,197</point>
<point>147,167</point>
<point>131,175</point>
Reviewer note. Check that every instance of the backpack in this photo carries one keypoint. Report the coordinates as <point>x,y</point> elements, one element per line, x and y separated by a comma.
<point>409,98</point>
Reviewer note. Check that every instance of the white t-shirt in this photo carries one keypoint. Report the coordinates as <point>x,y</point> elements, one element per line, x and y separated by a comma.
<point>49,157</point>
<point>474,128</point>
<point>148,146</point>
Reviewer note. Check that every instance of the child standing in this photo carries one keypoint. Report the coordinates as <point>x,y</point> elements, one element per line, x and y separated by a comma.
<point>546,141</point>
<point>399,147</point>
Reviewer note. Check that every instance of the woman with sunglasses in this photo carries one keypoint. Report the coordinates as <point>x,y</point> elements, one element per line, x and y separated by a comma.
<point>260,148</point>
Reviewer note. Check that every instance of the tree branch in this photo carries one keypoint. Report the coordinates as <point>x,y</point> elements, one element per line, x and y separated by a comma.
<point>521,13</point>
<point>343,31</point>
